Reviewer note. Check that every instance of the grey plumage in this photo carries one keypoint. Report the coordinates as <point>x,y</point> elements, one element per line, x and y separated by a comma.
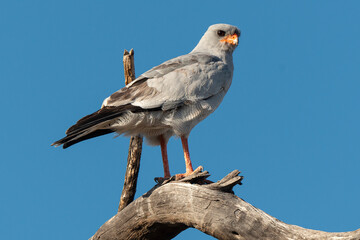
<point>169,99</point>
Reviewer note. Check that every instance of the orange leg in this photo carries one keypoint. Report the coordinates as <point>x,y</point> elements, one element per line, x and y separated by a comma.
<point>164,157</point>
<point>188,165</point>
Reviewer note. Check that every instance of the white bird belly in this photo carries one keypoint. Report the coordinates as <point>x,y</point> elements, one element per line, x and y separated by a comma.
<point>178,122</point>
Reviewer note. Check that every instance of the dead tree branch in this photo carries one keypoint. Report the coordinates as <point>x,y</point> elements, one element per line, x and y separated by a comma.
<point>173,206</point>
<point>135,147</point>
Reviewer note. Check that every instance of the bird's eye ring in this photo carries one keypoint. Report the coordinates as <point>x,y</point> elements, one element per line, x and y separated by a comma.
<point>221,33</point>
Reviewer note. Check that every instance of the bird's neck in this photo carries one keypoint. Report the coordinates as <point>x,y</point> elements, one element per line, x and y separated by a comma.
<point>225,56</point>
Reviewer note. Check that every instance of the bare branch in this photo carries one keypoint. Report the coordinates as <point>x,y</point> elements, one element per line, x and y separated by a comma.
<point>171,207</point>
<point>135,147</point>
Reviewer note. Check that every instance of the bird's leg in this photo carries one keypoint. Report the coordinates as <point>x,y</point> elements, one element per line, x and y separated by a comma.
<point>188,165</point>
<point>164,157</point>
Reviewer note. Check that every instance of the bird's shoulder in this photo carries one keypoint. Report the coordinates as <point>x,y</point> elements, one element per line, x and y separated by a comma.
<point>180,62</point>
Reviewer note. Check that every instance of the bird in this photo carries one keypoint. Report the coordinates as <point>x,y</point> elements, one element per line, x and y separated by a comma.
<point>169,99</point>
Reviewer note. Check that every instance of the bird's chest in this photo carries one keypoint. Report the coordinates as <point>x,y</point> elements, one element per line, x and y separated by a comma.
<point>209,81</point>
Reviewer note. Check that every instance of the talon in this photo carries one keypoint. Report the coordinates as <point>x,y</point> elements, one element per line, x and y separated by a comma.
<point>183,175</point>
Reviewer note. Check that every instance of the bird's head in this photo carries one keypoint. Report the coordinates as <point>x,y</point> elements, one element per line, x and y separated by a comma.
<point>219,38</point>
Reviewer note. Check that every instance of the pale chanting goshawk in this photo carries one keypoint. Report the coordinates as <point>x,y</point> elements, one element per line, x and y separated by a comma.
<point>169,99</point>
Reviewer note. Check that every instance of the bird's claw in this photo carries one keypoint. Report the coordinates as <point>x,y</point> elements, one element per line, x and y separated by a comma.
<point>184,175</point>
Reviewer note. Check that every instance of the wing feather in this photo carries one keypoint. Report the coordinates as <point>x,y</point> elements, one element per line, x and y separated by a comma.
<point>170,84</point>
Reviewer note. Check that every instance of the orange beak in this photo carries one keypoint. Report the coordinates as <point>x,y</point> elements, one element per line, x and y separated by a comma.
<point>232,39</point>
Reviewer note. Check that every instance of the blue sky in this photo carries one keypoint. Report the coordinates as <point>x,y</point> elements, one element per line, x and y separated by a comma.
<point>290,121</point>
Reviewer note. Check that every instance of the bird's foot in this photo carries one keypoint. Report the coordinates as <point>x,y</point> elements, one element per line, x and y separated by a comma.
<point>188,173</point>
<point>197,176</point>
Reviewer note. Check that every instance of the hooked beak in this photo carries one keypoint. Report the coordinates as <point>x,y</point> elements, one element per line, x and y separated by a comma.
<point>232,39</point>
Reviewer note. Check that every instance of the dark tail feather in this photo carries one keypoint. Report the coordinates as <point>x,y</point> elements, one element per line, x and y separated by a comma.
<point>104,114</point>
<point>97,117</point>
<point>68,140</point>
<point>73,133</point>
<point>97,133</point>
<point>89,121</point>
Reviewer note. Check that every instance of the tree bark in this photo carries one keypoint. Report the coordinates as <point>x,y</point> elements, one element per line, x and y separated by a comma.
<point>135,146</point>
<point>173,206</point>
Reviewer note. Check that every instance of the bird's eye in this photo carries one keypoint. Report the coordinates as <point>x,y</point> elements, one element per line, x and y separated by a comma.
<point>220,33</point>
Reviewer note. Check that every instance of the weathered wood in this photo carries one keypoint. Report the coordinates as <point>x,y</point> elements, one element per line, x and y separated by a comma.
<point>173,206</point>
<point>129,66</point>
<point>135,147</point>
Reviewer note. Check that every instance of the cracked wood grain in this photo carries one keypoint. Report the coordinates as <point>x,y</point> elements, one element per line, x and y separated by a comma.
<point>173,206</point>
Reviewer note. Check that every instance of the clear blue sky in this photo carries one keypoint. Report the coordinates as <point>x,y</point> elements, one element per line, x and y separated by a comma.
<point>290,121</point>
